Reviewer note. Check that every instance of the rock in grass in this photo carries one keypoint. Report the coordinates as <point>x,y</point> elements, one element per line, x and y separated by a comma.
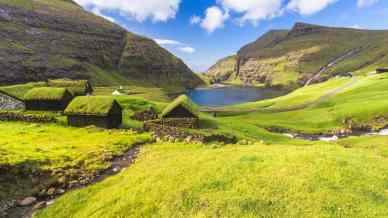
<point>39,205</point>
<point>50,191</point>
<point>27,201</point>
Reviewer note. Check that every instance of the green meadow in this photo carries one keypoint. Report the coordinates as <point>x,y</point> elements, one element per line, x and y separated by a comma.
<point>265,174</point>
<point>180,180</point>
<point>58,152</point>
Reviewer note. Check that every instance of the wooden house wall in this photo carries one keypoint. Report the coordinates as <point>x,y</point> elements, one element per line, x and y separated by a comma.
<point>49,105</point>
<point>180,112</point>
<point>108,122</point>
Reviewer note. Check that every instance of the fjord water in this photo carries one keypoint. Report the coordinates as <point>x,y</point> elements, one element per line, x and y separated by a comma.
<point>229,95</point>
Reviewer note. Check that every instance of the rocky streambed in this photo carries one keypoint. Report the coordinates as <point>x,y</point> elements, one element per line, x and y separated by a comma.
<point>334,137</point>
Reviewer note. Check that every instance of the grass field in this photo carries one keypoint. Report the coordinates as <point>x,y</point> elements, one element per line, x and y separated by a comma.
<point>237,181</point>
<point>57,150</point>
<point>307,110</point>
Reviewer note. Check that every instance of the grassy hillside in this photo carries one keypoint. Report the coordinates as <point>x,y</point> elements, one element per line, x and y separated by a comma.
<point>237,181</point>
<point>291,58</point>
<point>320,108</point>
<point>60,153</point>
<point>58,39</point>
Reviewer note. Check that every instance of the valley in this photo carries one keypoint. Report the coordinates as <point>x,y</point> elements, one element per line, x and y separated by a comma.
<point>325,108</point>
<point>100,122</point>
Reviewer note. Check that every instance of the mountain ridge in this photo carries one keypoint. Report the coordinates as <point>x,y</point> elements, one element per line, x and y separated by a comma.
<point>54,39</point>
<point>291,58</point>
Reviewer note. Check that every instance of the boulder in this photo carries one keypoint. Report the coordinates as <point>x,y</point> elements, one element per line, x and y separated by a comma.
<point>27,201</point>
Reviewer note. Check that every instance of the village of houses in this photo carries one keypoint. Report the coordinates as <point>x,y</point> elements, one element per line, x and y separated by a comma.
<point>75,100</point>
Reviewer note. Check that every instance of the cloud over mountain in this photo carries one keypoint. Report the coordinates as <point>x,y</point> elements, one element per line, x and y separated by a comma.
<point>156,10</point>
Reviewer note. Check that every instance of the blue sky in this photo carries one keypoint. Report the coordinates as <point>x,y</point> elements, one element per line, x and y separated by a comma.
<point>203,31</point>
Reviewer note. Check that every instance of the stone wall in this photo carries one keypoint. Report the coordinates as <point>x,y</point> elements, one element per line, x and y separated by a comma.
<point>177,134</point>
<point>192,123</point>
<point>145,115</point>
<point>33,118</point>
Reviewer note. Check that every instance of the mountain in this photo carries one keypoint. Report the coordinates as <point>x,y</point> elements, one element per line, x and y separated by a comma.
<point>305,54</point>
<point>45,39</point>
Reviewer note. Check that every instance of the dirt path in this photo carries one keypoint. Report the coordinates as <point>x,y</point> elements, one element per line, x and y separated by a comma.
<point>332,63</point>
<point>118,164</point>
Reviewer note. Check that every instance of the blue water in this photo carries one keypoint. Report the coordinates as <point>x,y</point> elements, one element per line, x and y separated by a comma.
<point>229,95</point>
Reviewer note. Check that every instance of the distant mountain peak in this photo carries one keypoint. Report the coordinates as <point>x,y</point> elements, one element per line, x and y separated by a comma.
<point>304,28</point>
<point>292,57</point>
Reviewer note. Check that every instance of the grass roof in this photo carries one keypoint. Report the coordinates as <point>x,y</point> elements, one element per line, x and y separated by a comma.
<point>45,93</point>
<point>183,101</point>
<point>76,87</point>
<point>20,90</point>
<point>91,105</point>
<point>67,83</point>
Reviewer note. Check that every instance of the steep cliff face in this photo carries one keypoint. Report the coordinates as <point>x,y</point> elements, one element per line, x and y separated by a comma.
<point>45,39</point>
<point>144,60</point>
<point>308,53</point>
<point>223,70</point>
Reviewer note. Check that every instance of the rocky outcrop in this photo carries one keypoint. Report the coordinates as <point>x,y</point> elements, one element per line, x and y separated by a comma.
<point>45,39</point>
<point>223,70</point>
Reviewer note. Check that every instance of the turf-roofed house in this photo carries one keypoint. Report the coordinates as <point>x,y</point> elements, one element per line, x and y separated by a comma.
<point>182,112</point>
<point>47,99</point>
<point>99,111</point>
<point>76,87</point>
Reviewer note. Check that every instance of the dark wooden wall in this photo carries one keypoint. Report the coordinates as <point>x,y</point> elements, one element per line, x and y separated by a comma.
<point>107,122</point>
<point>180,112</point>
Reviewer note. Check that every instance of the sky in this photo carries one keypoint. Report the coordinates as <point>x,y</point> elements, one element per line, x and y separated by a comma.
<point>200,32</point>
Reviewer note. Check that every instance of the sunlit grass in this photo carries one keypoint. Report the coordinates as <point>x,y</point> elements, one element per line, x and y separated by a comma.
<point>28,148</point>
<point>237,181</point>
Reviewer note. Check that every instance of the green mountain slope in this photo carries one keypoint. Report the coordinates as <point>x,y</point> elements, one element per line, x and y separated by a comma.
<point>307,53</point>
<point>45,39</point>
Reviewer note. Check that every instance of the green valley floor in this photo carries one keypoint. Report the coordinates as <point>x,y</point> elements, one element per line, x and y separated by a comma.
<point>265,174</point>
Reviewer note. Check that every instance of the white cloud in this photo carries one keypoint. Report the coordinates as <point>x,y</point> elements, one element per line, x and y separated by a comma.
<point>187,49</point>
<point>254,10</point>
<point>195,20</point>
<point>366,3</point>
<point>175,45</point>
<point>356,26</point>
<point>308,7</point>
<point>167,42</point>
<point>156,10</point>
<point>98,12</point>
<point>214,19</point>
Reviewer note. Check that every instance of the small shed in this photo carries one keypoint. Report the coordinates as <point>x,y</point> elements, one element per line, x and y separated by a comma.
<point>76,87</point>
<point>100,111</point>
<point>182,112</point>
<point>382,70</point>
<point>47,99</point>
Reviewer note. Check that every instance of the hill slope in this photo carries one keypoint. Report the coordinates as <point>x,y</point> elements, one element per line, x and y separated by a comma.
<point>45,39</point>
<point>307,52</point>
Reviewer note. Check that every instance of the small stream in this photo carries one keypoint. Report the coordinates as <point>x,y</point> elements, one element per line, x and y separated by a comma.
<point>329,138</point>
